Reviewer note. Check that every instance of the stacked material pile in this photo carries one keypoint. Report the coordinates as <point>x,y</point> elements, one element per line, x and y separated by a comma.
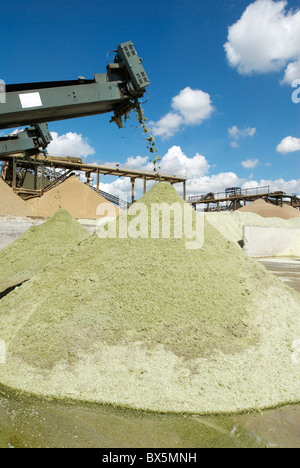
<point>12,204</point>
<point>230,225</point>
<point>267,210</point>
<point>149,324</point>
<point>38,247</point>
<point>75,197</point>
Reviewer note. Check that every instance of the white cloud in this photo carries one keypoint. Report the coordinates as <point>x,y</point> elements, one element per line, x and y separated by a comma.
<point>194,105</point>
<point>176,162</point>
<point>136,163</point>
<point>167,126</point>
<point>70,144</point>
<point>265,39</point>
<point>189,107</point>
<point>213,183</point>
<point>120,187</point>
<point>288,145</point>
<point>292,72</point>
<point>250,163</point>
<point>236,134</point>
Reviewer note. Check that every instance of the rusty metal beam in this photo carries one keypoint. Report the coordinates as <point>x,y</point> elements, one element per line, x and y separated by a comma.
<point>93,169</point>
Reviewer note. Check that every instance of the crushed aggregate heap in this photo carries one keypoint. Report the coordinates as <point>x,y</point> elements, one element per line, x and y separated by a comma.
<point>38,247</point>
<point>148,324</point>
<point>230,225</point>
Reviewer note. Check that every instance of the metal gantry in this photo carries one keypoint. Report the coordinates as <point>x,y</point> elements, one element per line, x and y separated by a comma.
<point>41,166</point>
<point>234,198</point>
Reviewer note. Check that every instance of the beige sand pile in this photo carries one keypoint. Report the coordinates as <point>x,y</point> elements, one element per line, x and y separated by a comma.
<point>267,210</point>
<point>147,324</point>
<point>12,204</point>
<point>71,195</point>
<point>292,212</point>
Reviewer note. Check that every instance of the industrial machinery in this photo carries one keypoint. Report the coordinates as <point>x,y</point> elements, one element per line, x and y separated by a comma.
<point>35,104</point>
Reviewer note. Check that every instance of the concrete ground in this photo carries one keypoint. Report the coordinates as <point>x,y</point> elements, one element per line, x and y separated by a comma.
<point>12,227</point>
<point>287,269</point>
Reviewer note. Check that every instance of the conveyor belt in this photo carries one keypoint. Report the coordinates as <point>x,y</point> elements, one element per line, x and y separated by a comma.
<point>113,199</point>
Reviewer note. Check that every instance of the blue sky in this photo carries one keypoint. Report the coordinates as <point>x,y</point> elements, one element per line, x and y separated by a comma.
<point>232,106</point>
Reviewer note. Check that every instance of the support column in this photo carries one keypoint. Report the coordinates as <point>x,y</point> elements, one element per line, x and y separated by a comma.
<point>184,190</point>
<point>14,175</point>
<point>132,189</point>
<point>218,207</point>
<point>42,177</point>
<point>35,178</point>
<point>145,185</point>
<point>98,181</point>
<point>88,177</point>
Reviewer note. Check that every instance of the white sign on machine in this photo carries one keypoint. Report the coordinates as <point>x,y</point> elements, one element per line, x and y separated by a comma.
<point>2,92</point>
<point>30,100</point>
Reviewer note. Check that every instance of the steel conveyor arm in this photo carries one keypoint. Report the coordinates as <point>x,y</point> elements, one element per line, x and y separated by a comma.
<point>116,90</point>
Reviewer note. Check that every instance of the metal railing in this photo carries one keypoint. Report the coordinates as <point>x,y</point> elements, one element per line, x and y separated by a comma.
<point>112,198</point>
<point>227,195</point>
